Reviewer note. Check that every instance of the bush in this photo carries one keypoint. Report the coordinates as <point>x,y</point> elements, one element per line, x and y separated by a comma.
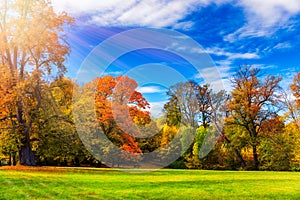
<point>178,164</point>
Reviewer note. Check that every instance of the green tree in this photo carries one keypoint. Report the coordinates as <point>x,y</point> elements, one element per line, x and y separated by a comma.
<point>182,107</point>
<point>151,139</point>
<point>56,138</point>
<point>275,147</point>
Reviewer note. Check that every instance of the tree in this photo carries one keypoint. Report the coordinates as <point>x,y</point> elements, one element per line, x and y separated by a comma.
<point>292,129</point>
<point>119,108</point>
<point>217,111</point>
<point>293,105</point>
<point>54,134</point>
<point>10,139</point>
<point>151,139</point>
<point>253,102</point>
<point>203,96</point>
<point>292,136</point>
<point>295,87</point>
<point>31,46</point>
<point>275,145</point>
<point>182,106</point>
<point>170,145</point>
<point>193,161</point>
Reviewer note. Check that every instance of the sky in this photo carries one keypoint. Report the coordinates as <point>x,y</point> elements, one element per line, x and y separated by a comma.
<point>228,33</point>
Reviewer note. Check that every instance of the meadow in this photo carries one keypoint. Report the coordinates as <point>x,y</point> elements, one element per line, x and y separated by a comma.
<point>89,183</point>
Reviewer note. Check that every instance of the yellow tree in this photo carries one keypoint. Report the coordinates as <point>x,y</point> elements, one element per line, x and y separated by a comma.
<point>31,46</point>
<point>294,105</point>
<point>253,102</point>
<point>9,142</point>
<point>293,128</point>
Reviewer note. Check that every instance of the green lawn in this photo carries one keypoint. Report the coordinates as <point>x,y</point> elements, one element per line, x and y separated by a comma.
<point>73,183</point>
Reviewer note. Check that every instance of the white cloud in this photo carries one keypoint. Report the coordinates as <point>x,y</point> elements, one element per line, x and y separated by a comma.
<point>230,55</point>
<point>150,13</point>
<point>271,11</point>
<point>184,25</point>
<point>265,66</point>
<point>283,45</point>
<point>222,84</point>
<point>156,108</point>
<point>265,17</point>
<point>150,89</point>
<point>113,73</point>
<point>217,77</point>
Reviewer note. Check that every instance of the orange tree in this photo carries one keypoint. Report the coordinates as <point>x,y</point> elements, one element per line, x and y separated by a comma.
<point>119,109</point>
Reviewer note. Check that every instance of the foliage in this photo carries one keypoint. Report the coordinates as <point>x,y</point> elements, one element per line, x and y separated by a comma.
<point>152,137</point>
<point>253,102</point>
<point>31,47</point>
<point>275,147</point>
<point>295,86</point>
<point>182,107</point>
<point>117,104</point>
<point>292,137</point>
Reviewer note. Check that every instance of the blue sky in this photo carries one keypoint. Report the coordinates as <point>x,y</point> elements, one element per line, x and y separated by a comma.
<point>265,34</point>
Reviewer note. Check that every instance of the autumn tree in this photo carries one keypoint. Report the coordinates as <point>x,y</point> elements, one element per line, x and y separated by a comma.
<point>169,144</point>
<point>217,112</point>
<point>9,139</point>
<point>253,102</point>
<point>292,128</point>
<point>120,109</point>
<point>56,140</point>
<point>292,136</point>
<point>293,104</point>
<point>275,147</point>
<point>31,46</point>
<point>295,87</point>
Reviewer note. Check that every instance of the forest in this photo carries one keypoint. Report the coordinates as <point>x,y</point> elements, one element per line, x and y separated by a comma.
<point>47,118</point>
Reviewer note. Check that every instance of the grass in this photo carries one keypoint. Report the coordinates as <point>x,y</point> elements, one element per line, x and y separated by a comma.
<point>74,183</point>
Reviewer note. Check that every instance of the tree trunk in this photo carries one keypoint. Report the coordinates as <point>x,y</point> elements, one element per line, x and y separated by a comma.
<point>14,161</point>
<point>255,158</point>
<point>239,156</point>
<point>77,162</point>
<point>26,156</point>
<point>98,164</point>
<point>9,160</point>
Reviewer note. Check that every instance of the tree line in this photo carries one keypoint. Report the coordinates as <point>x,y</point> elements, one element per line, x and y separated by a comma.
<point>257,123</point>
